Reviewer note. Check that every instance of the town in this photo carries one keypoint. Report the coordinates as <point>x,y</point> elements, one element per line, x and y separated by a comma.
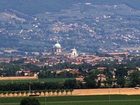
<point>83,70</point>
<point>69,52</point>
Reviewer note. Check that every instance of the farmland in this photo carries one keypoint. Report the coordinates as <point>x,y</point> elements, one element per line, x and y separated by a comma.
<point>80,100</point>
<point>36,80</point>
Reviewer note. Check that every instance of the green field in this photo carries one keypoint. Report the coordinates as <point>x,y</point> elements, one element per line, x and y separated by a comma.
<point>80,100</point>
<point>38,80</point>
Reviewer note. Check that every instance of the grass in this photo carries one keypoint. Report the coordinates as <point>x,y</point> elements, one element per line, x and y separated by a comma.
<point>80,100</point>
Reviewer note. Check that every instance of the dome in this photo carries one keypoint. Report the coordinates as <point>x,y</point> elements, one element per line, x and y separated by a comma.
<point>57,45</point>
<point>74,50</point>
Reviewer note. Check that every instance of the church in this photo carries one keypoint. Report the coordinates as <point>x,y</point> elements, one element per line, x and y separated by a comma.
<point>58,50</point>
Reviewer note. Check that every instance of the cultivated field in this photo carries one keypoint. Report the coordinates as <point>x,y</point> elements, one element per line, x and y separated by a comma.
<point>18,78</point>
<point>26,80</point>
<point>80,100</point>
<point>106,91</point>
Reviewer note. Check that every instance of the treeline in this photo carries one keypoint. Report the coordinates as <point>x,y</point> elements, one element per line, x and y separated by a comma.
<point>10,69</point>
<point>54,74</point>
<point>26,86</point>
<point>81,67</point>
<point>120,77</point>
<point>92,80</point>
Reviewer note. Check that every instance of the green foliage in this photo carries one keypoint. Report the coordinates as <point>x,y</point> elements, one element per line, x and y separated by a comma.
<point>29,101</point>
<point>135,78</point>
<point>121,74</point>
<point>32,67</point>
<point>41,84</point>
<point>9,69</point>
<point>121,81</point>
<point>50,74</point>
<point>70,84</point>
<point>91,79</point>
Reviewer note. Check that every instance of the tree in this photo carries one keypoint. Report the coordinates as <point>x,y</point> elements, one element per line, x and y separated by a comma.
<point>109,76</point>
<point>53,91</point>
<point>121,81</point>
<point>70,84</point>
<point>57,91</point>
<point>120,73</point>
<point>62,91</point>
<point>71,90</point>
<point>135,78</point>
<point>67,90</point>
<point>91,79</point>
<point>29,101</point>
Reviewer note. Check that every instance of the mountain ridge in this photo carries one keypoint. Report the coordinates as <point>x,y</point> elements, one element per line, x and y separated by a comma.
<point>88,26</point>
<point>30,7</point>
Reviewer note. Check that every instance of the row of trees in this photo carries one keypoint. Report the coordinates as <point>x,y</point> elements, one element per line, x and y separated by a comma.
<point>54,74</point>
<point>50,92</point>
<point>25,86</point>
<point>10,69</point>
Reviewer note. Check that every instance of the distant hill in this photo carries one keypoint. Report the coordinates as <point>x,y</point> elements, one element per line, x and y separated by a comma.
<point>38,6</point>
<point>88,25</point>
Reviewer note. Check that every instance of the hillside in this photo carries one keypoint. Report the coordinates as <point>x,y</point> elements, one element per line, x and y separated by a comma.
<point>90,26</point>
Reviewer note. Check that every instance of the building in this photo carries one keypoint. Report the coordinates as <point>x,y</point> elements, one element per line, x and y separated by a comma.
<point>57,49</point>
<point>74,53</point>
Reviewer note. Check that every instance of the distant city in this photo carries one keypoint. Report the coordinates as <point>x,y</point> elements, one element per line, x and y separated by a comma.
<point>60,63</point>
<point>64,52</point>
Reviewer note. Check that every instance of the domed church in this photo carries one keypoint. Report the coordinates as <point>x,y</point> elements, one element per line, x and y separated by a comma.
<point>57,48</point>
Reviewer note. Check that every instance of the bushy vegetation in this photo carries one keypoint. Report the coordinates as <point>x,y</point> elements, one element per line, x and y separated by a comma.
<point>33,85</point>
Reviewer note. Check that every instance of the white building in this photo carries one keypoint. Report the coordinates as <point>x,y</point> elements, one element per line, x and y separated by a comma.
<point>74,53</point>
<point>57,48</point>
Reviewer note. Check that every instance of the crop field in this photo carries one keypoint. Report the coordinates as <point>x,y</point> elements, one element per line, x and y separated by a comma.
<point>38,80</point>
<point>80,100</point>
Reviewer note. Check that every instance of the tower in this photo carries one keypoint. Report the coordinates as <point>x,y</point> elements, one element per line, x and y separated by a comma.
<point>74,53</point>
